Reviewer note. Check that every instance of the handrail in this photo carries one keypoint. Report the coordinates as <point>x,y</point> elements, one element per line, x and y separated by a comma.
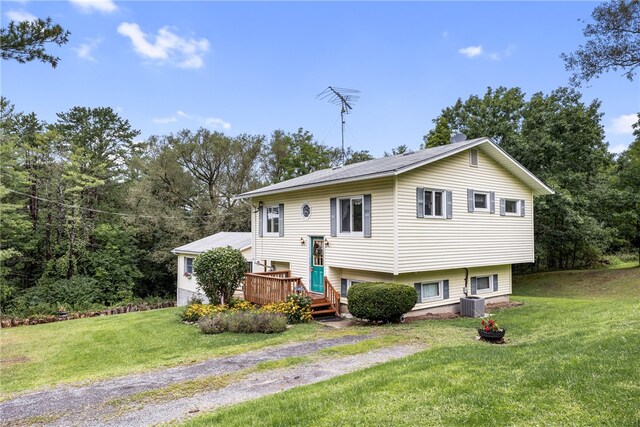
<point>332,295</point>
<point>267,288</point>
<point>276,273</point>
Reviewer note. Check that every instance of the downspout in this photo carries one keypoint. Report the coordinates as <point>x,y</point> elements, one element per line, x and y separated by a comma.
<point>254,249</point>
<point>466,279</point>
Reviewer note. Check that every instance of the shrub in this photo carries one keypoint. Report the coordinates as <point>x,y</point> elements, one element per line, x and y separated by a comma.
<point>385,302</point>
<point>246,322</point>
<point>215,324</point>
<point>219,272</point>
<point>297,308</point>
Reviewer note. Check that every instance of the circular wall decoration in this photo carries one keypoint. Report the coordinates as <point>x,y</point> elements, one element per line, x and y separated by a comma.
<point>305,211</point>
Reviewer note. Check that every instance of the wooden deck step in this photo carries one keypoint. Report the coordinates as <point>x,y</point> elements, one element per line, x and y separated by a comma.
<point>326,312</point>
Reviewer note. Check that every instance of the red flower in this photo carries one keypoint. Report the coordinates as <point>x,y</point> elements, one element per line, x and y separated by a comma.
<point>491,322</point>
<point>483,323</point>
<point>486,328</point>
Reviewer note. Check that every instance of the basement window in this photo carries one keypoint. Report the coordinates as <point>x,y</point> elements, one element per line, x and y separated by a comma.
<point>484,283</point>
<point>431,291</point>
<point>512,207</point>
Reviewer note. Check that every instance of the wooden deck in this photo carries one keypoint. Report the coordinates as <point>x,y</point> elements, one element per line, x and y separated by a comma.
<point>274,286</point>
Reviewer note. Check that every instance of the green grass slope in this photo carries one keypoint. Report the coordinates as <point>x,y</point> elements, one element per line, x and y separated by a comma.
<point>572,359</point>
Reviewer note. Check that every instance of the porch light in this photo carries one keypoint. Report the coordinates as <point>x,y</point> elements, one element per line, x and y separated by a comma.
<point>302,241</point>
<point>326,242</point>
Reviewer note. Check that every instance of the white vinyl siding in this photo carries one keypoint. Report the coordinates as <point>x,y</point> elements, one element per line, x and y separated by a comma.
<point>348,250</point>
<point>468,239</point>
<point>455,276</point>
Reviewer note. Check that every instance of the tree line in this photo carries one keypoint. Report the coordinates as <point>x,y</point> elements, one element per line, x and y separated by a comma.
<point>86,206</point>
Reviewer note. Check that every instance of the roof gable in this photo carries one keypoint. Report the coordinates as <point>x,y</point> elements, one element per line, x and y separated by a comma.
<point>395,165</point>
<point>236,240</point>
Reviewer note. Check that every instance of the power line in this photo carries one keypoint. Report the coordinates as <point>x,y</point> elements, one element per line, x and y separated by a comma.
<point>107,212</point>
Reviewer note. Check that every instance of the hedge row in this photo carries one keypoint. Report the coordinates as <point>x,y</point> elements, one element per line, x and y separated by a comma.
<point>129,308</point>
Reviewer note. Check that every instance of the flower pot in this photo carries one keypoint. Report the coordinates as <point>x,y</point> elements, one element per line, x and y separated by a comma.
<point>491,335</point>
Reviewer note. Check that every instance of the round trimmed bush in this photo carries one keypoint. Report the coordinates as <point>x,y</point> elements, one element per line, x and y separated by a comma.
<point>384,302</point>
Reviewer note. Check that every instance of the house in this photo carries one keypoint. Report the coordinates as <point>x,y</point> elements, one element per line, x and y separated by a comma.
<point>187,285</point>
<point>449,220</point>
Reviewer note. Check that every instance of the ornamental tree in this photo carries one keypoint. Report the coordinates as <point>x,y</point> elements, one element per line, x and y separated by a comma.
<point>219,273</point>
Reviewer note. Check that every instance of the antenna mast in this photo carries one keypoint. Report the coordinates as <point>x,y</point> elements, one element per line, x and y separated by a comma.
<point>345,98</point>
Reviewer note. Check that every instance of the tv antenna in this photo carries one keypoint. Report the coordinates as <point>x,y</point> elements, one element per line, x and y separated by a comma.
<point>345,98</point>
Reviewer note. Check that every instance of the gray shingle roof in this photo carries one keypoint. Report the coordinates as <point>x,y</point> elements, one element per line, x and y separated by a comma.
<point>369,169</point>
<point>236,240</point>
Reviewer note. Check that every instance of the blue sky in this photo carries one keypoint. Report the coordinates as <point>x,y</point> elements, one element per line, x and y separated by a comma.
<point>244,67</point>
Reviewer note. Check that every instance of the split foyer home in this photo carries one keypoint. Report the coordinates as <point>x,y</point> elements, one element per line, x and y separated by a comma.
<point>449,220</point>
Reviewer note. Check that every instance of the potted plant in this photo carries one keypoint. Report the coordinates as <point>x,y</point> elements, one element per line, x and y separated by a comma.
<point>490,330</point>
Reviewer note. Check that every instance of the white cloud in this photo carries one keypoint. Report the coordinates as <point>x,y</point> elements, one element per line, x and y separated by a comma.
<point>20,15</point>
<point>211,122</point>
<point>445,34</point>
<point>164,120</point>
<point>216,122</point>
<point>168,47</point>
<point>88,6</point>
<point>85,50</point>
<point>478,51</point>
<point>622,125</point>
<point>471,51</point>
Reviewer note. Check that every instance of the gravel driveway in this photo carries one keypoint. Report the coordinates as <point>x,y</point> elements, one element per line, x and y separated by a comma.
<point>85,405</point>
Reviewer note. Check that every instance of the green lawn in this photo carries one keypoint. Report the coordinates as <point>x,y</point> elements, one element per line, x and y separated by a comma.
<point>572,359</point>
<point>100,347</point>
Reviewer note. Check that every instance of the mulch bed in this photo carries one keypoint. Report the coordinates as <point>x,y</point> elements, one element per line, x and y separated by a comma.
<point>508,304</point>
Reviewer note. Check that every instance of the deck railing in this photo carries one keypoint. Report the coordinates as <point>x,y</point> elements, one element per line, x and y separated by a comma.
<point>332,295</point>
<point>272,286</point>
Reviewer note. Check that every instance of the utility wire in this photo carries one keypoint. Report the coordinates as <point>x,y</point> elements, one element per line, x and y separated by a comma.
<point>107,212</point>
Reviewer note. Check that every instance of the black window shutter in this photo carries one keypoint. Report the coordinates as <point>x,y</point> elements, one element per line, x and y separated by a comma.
<point>367,216</point>
<point>419,202</point>
<point>492,207</point>
<point>343,288</point>
<point>333,209</point>
<point>503,207</point>
<point>474,286</point>
<point>418,287</point>
<point>281,219</point>
<point>470,200</point>
<point>521,207</point>
<point>495,283</point>
<point>260,219</point>
<point>445,289</point>
<point>449,205</point>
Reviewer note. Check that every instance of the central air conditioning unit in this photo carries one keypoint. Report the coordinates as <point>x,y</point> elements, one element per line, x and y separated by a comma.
<point>472,307</point>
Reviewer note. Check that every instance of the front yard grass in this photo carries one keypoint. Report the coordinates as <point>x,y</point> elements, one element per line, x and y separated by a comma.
<point>571,359</point>
<point>102,347</point>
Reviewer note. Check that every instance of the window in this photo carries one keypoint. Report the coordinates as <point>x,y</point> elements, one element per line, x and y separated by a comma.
<point>512,207</point>
<point>345,285</point>
<point>484,284</point>
<point>188,265</point>
<point>350,215</point>
<point>434,203</point>
<point>431,291</point>
<point>272,220</point>
<point>480,201</point>
<point>473,157</point>
<point>305,211</point>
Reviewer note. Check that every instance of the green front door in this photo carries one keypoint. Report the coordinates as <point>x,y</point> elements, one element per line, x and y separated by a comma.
<point>317,264</point>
